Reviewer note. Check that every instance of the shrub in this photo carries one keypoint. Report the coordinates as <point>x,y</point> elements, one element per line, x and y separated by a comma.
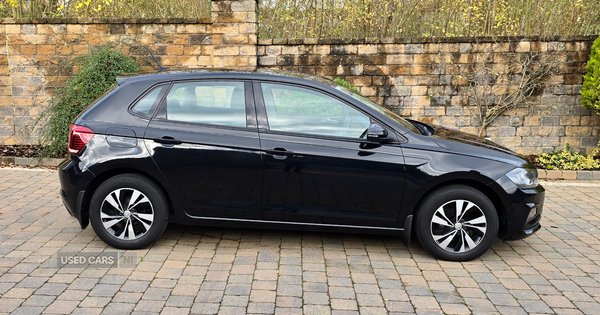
<point>590,91</point>
<point>97,73</point>
<point>568,159</point>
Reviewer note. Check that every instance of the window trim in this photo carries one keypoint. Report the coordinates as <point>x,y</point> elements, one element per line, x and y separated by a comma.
<point>160,114</point>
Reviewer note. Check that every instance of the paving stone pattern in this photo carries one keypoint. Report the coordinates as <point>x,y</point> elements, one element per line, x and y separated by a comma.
<point>236,271</point>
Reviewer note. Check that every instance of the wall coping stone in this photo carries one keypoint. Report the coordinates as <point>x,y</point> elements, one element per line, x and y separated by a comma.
<point>568,174</point>
<point>36,161</point>
<point>422,40</point>
<point>105,21</point>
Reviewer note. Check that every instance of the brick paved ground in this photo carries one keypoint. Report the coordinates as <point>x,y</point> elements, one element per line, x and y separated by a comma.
<point>233,271</point>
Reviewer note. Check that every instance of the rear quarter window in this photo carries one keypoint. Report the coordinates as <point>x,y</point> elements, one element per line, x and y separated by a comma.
<point>147,104</point>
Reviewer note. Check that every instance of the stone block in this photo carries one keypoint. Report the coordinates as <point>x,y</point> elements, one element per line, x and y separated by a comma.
<point>267,60</point>
<point>322,49</point>
<point>187,61</point>
<point>194,29</point>
<point>419,69</point>
<point>578,131</point>
<point>506,131</point>
<point>343,49</point>
<point>419,90</point>
<point>399,70</point>
<point>569,174</point>
<point>401,91</point>
<point>249,50</point>
<point>414,49</point>
<point>226,51</point>
<point>21,161</point>
<point>440,101</point>
<point>588,175</point>
<point>399,59</point>
<point>542,173</point>
<point>244,6</point>
<point>596,175</point>
<point>367,49</point>
<point>46,50</point>
<point>570,120</point>
<point>289,50</point>
<point>247,28</point>
<point>391,48</point>
<point>225,28</point>
<point>230,39</point>
<point>265,41</point>
<point>36,39</point>
<point>96,29</point>
<point>187,50</point>
<point>13,29</point>
<point>176,49</point>
<point>523,47</point>
<point>553,174</point>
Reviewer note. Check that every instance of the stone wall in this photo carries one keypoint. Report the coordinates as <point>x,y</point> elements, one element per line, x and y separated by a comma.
<point>33,53</point>
<point>416,78</point>
<point>420,79</point>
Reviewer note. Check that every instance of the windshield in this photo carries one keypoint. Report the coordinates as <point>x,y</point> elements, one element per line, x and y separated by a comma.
<point>388,113</point>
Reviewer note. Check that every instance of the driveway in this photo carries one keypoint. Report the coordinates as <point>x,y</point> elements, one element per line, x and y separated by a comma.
<point>237,271</point>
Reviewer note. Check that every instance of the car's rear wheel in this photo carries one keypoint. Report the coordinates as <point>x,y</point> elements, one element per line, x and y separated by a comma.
<point>457,222</point>
<point>129,212</point>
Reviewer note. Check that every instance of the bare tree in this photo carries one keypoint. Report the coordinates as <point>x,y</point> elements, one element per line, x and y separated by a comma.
<point>495,87</point>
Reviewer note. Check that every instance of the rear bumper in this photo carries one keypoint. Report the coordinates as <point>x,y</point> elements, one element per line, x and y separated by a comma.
<point>519,204</point>
<point>73,181</point>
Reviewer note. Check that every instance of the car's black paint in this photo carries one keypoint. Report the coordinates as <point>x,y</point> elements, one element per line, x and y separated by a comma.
<point>256,177</point>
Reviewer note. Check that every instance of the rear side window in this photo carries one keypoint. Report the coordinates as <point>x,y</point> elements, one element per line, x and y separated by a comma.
<point>211,103</point>
<point>145,106</point>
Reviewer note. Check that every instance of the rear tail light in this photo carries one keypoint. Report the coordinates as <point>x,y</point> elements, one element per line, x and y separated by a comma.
<point>78,138</point>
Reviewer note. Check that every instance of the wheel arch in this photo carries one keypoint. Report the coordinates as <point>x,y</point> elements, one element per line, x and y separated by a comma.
<point>475,184</point>
<point>102,177</point>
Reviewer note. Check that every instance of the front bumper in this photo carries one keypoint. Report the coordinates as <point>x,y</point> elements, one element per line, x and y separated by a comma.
<point>518,205</point>
<point>73,181</point>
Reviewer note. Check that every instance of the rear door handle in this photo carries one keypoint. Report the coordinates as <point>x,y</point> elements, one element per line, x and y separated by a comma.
<point>168,140</point>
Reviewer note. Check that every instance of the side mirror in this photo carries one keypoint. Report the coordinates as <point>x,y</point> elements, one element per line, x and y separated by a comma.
<point>376,133</point>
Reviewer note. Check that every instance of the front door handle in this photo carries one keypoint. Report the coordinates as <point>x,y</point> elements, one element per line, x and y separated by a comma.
<point>280,153</point>
<point>168,140</point>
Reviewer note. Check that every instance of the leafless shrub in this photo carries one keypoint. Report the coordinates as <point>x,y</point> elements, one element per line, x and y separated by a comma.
<point>494,87</point>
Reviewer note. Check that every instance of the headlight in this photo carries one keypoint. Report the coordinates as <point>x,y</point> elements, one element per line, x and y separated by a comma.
<point>524,177</point>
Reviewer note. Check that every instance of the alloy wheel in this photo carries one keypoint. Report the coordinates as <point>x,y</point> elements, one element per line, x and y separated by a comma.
<point>458,226</point>
<point>127,213</point>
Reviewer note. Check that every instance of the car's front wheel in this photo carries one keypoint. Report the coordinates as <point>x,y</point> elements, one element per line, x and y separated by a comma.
<point>457,222</point>
<point>129,211</point>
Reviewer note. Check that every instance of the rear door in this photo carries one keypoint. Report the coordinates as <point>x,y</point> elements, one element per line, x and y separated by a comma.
<point>318,166</point>
<point>204,139</point>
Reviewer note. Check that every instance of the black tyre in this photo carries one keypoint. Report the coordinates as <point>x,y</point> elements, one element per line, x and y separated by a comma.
<point>129,211</point>
<point>457,223</point>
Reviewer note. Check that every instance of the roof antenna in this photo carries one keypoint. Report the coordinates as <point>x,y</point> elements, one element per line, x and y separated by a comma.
<point>160,68</point>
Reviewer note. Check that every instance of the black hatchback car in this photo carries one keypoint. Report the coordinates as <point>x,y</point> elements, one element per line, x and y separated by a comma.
<point>279,150</point>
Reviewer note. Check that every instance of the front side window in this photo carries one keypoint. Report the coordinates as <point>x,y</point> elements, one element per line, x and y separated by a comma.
<point>301,110</point>
<point>211,103</point>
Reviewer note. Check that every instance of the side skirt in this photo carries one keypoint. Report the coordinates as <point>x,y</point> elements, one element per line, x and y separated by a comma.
<point>298,226</point>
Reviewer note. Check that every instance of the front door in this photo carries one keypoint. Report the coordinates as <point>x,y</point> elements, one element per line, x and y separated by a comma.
<point>318,166</point>
<point>205,141</point>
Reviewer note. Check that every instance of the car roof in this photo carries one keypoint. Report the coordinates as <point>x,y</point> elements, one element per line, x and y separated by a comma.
<point>225,73</point>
